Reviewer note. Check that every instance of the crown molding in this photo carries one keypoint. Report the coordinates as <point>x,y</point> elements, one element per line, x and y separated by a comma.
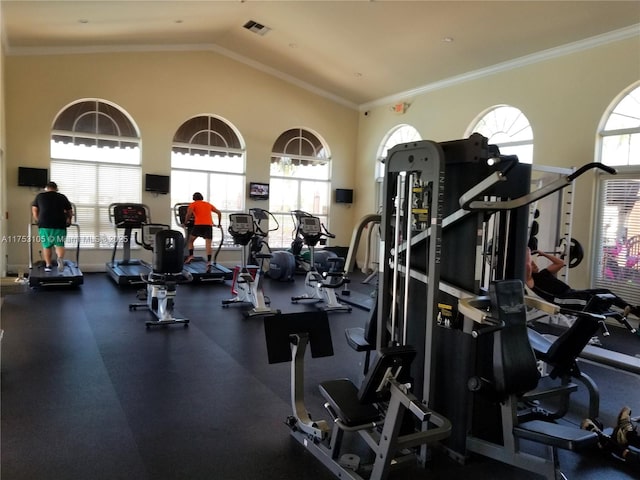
<point>598,40</point>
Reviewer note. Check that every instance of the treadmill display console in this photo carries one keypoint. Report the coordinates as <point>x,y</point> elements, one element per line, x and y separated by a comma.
<point>130,216</point>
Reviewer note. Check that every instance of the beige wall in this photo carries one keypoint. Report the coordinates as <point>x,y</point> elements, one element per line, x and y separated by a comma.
<point>564,99</point>
<point>160,91</point>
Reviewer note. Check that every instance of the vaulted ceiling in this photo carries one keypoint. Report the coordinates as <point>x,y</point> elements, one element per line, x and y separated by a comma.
<point>356,52</point>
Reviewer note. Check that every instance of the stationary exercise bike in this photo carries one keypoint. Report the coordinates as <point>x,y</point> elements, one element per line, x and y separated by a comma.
<point>248,286</point>
<point>167,247</point>
<point>321,287</point>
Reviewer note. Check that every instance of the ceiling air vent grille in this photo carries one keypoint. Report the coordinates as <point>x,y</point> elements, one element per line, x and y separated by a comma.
<point>256,27</point>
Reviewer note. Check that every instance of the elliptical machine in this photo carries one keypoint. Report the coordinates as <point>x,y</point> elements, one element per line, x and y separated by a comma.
<point>281,265</point>
<point>167,247</point>
<point>321,287</point>
<point>258,243</point>
<point>246,286</point>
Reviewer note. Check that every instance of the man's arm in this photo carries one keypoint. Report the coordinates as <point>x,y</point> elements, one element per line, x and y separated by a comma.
<point>217,212</point>
<point>557,263</point>
<point>69,215</point>
<point>188,215</point>
<point>34,213</point>
<point>68,209</point>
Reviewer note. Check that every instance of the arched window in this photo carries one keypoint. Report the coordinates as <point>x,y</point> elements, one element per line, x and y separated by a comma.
<point>508,128</point>
<point>300,180</point>
<point>95,160</point>
<point>208,156</point>
<point>398,134</point>
<point>617,243</point>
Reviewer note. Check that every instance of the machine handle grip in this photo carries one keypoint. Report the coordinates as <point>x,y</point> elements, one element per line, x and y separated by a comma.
<point>488,330</point>
<point>603,327</point>
<point>626,323</point>
<point>138,242</point>
<point>589,166</point>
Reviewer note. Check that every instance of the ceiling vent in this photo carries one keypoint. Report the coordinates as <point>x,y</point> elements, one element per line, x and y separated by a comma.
<point>257,28</point>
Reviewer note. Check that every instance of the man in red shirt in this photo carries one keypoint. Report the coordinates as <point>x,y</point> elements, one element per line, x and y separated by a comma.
<point>201,211</point>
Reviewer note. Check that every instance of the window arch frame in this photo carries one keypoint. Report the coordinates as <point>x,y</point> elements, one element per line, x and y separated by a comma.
<point>298,182</point>
<point>513,147</point>
<point>385,145</point>
<point>407,133</point>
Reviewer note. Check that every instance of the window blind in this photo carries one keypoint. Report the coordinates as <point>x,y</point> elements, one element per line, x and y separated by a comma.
<point>617,265</point>
<point>92,187</point>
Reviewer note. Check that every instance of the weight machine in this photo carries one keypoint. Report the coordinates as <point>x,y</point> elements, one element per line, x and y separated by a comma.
<point>442,203</point>
<point>381,412</point>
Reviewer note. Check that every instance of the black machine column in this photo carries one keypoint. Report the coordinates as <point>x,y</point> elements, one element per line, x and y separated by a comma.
<point>446,257</point>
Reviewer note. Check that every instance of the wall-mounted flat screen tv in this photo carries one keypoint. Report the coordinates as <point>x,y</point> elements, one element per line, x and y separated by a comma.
<point>259,191</point>
<point>32,177</point>
<point>344,195</point>
<point>157,183</point>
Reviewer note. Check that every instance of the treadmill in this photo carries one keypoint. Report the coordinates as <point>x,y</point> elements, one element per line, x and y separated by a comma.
<point>198,266</point>
<point>127,217</point>
<point>71,276</point>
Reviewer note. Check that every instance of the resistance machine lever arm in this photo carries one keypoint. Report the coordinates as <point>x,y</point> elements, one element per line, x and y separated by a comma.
<point>469,200</point>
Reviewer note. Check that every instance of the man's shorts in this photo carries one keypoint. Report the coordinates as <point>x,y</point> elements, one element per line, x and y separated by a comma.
<point>52,236</point>
<point>204,231</point>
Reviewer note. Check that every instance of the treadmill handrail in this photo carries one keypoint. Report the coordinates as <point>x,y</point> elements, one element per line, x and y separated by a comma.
<point>145,245</point>
<point>126,256</point>
<point>176,211</point>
